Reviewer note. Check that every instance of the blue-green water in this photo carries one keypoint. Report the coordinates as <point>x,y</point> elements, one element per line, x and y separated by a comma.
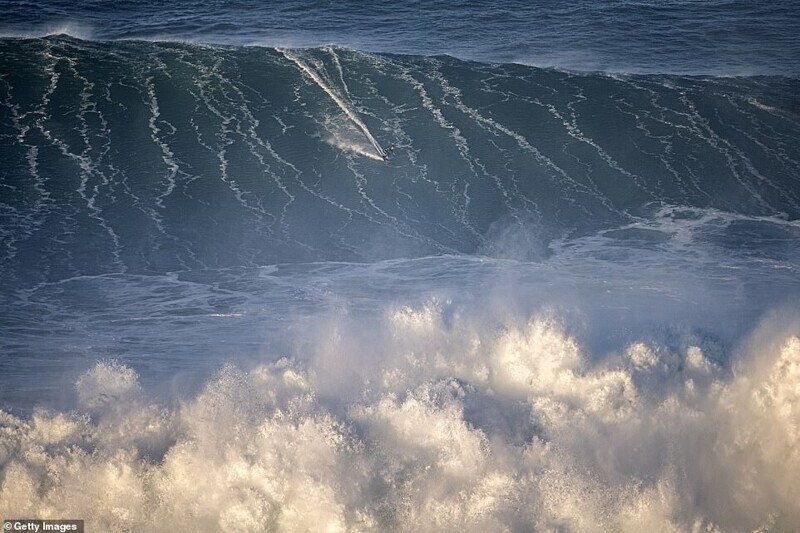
<point>567,301</point>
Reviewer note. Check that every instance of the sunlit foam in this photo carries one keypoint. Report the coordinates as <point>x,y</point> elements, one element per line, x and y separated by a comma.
<point>456,426</point>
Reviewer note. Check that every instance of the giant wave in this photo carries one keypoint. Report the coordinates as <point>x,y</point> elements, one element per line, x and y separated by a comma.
<point>148,157</point>
<point>568,301</point>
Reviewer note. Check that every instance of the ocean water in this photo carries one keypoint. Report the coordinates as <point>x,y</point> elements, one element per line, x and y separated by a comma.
<point>567,302</point>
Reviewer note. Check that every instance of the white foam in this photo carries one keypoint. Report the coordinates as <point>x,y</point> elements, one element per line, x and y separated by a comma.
<point>429,420</point>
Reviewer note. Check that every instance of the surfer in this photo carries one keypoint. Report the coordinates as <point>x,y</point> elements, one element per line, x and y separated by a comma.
<point>387,153</point>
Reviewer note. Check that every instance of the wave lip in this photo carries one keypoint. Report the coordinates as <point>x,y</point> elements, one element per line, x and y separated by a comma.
<point>76,30</point>
<point>670,37</point>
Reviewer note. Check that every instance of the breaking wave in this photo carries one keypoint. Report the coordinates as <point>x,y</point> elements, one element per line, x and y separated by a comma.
<point>432,422</point>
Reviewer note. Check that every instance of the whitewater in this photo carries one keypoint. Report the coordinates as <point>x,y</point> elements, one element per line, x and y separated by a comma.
<point>568,302</point>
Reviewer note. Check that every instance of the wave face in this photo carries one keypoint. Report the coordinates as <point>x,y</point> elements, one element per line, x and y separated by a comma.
<point>148,158</point>
<point>566,302</point>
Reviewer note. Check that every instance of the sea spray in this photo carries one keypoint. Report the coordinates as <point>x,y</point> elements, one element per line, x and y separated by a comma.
<point>352,115</point>
<point>455,425</point>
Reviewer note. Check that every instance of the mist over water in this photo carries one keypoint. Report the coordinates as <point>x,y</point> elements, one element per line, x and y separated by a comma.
<point>567,301</point>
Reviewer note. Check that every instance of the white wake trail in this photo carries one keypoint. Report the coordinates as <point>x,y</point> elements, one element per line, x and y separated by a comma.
<point>341,103</point>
